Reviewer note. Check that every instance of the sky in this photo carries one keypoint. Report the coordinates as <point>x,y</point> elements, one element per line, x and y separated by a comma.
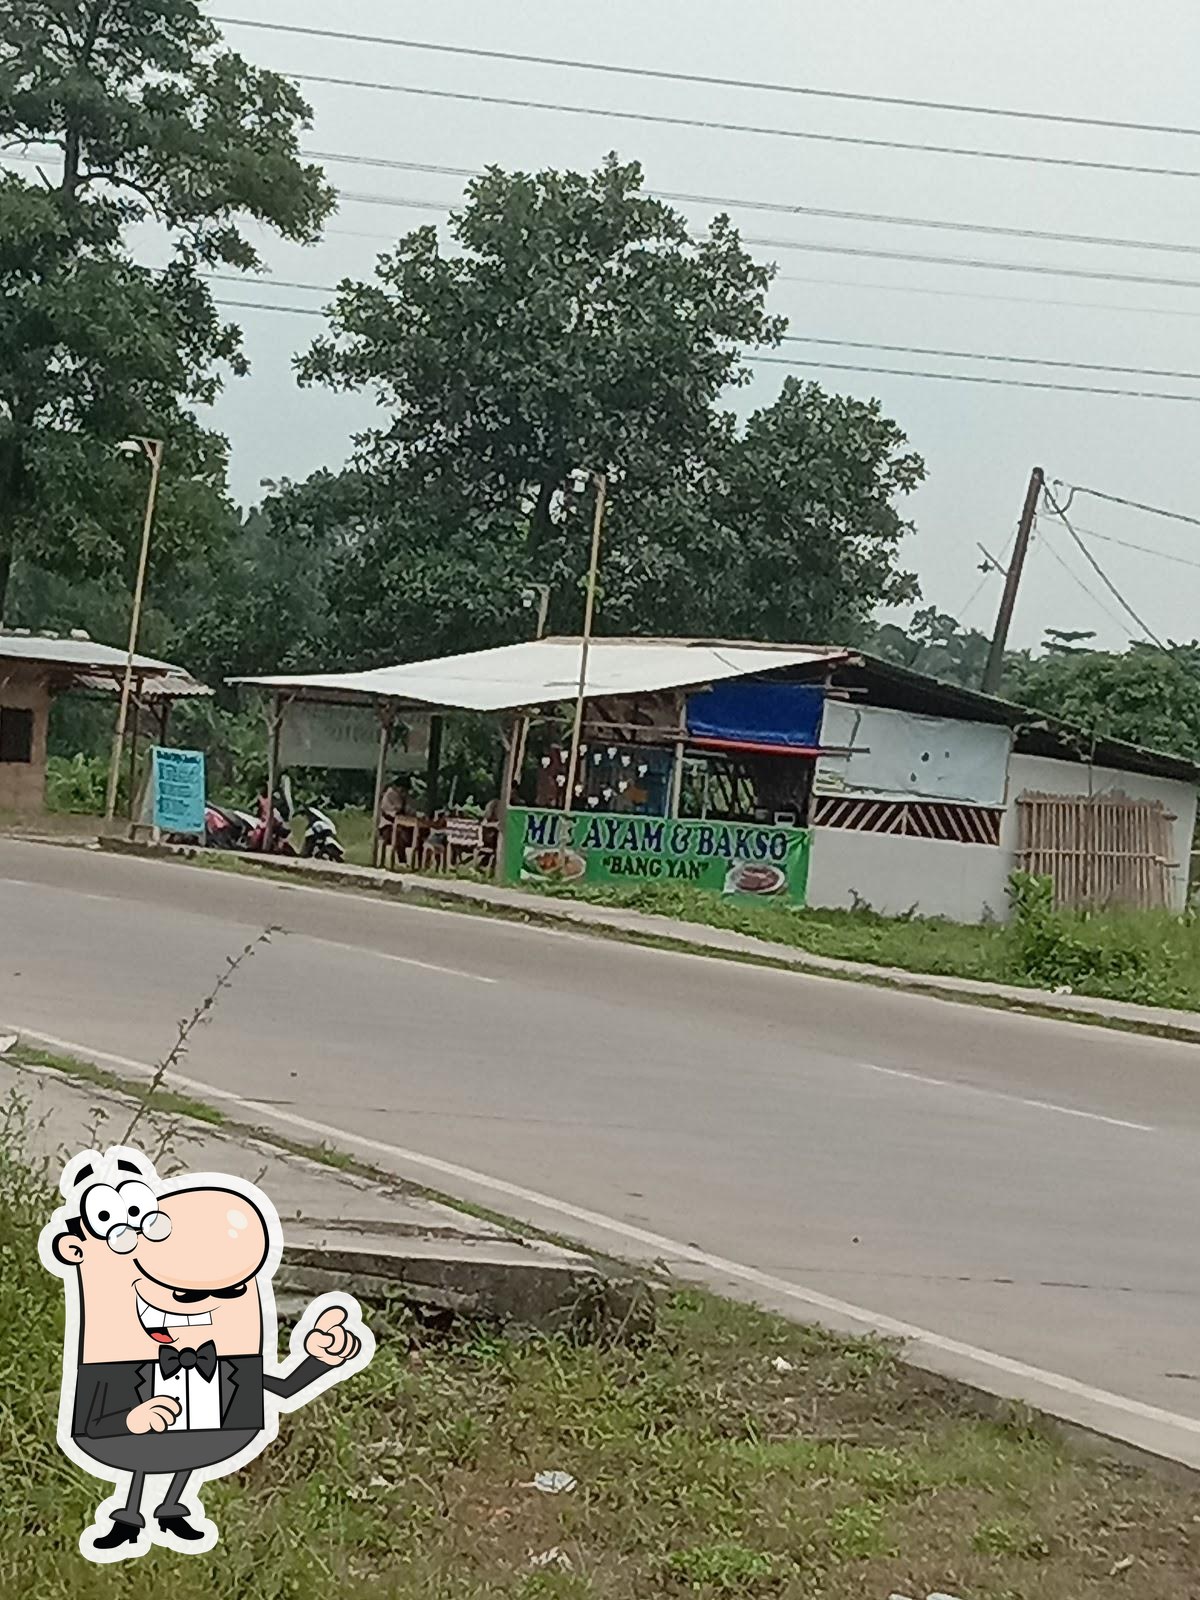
<point>1090,58</point>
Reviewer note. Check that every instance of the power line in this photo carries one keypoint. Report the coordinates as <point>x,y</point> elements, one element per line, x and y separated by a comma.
<point>1135,505</point>
<point>1143,549</point>
<point>972,377</point>
<point>1099,570</point>
<point>866,252</point>
<point>989,571</point>
<point>462,96</point>
<point>1046,269</point>
<point>1044,544</point>
<point>774,207</point>
<point>940,292</point>
<point>1093,274</point>
<point>986,355</point>
<point>786,208</point>
<point>831,366</point>
<point>663,75</point>
<point>848,344</point>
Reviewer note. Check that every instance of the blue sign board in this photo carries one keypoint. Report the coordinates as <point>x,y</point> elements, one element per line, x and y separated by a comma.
<point>178,790</point>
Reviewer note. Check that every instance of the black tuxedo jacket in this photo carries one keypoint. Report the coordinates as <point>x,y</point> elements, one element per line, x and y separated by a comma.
<point>107,1391</point>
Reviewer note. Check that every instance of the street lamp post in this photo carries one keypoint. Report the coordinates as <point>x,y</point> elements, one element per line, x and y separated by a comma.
<point>600,479</point>
<point>152,449</point>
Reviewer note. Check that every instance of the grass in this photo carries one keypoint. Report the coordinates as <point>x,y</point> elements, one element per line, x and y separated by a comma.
<point>1150,958</point>
<point>1146,957</point>
<point>701,1470</point>
<point>166,1101</point>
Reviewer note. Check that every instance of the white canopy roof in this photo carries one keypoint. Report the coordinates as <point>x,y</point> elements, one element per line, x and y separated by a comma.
<point>544,671</point>
<point>76,654</point>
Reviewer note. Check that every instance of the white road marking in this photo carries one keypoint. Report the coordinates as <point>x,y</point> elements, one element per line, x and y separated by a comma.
<point>1013,1099</point>
<point>659,1244</point>
<point>299,933</point>
<point>386,955</point>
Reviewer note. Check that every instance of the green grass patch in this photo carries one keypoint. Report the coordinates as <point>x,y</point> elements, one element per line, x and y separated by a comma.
<point>1146,957</point>
<point>165,1101</point>
<point>700,1470</point>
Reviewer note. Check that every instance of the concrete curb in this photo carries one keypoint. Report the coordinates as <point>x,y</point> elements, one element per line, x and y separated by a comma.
<point>380,1240</point>
<point>552,1292</point>
<point>691,938</point>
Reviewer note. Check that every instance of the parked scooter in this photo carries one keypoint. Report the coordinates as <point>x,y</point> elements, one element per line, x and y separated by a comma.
<point>280,809</point>
<point>320,842</point>
<point>226,829</point>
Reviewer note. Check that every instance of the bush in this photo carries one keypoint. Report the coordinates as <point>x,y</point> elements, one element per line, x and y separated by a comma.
<point>1127,956</point>
<point>77,784</point>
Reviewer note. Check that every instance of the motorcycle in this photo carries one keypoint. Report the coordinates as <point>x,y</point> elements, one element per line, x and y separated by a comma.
<point>227,828</point>
<point>320,842</point>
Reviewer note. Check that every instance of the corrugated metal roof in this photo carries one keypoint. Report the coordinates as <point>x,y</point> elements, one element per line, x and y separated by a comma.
<point>163,687</point>
<point>545,671</point>
<point>76,655</point>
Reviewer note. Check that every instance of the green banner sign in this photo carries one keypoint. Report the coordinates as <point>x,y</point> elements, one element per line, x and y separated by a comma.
<point>746,860</point>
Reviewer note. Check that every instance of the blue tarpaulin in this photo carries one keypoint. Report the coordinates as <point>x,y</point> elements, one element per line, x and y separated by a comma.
<point>772,715</point>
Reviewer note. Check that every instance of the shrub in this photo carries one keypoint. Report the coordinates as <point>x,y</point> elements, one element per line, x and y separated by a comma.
<point>1127,956</point>
<point>76,784</point>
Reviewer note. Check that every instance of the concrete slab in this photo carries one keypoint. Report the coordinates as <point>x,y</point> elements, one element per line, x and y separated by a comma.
<point>378,1238</point>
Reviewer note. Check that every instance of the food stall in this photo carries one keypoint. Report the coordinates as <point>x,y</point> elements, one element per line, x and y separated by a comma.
<point>708,788</point>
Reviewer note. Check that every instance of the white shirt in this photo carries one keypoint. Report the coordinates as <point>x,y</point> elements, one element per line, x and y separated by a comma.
<point>199,1400</point>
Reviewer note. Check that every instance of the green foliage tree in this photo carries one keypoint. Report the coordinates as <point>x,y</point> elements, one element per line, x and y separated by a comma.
<point>579,325</point>
<point>934,642</point>
<point>1147,696</point>
<point>135,118</point>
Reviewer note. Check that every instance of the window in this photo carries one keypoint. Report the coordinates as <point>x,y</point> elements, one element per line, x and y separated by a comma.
<point>16,734</point>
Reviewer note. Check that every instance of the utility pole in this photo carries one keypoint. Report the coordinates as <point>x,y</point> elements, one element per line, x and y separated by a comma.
<point>995,663</point>
<point>152,449</point>
<point>600,479</point>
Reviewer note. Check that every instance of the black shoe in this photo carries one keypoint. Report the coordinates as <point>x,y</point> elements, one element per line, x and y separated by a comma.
<point>120,1533</point>
<point>180,1527</point>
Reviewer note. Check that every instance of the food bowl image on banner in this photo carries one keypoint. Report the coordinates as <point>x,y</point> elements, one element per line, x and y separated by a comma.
<point>168,1368</point>
<point>755,877</point>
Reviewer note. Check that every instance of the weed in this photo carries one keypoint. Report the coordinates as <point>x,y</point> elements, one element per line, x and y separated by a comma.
<point>1008,1537</point>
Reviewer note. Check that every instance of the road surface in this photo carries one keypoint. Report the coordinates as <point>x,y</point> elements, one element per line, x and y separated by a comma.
<point>1026,1192</point>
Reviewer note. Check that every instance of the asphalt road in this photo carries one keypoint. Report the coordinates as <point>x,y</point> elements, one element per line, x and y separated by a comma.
<point>1024,1191</point>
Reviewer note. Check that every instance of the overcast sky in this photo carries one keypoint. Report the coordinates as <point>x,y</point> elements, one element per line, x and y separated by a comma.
<point>1082,57</point>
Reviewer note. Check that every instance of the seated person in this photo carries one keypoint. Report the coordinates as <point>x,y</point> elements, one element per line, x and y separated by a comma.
<point>395,803</point>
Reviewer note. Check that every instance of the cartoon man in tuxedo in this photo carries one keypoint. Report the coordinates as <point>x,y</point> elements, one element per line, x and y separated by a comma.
<point>168,1363</point>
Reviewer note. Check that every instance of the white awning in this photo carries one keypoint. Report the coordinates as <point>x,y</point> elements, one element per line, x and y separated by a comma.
<point>545,671</point>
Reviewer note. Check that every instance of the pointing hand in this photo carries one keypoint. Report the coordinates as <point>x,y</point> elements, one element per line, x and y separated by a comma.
<point>331,1340</point>
<point>153,1416</point>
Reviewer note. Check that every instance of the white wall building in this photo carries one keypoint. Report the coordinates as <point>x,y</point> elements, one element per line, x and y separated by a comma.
<point>943,794</point>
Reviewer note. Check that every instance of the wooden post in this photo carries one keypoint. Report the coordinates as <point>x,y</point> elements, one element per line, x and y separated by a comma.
<point>274,729</point>
<point>585,645</point>
<point>677,764</point>
<point>135,728</point>
<point>433,766</point>
<point>516,742</point>
<point>385,739</point>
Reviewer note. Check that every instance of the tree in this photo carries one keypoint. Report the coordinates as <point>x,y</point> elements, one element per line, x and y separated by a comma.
<point>1146,695</point>
<point>137,119</point>
<point>934,642</point>
<point>579,325</point>
<point>804,498</point>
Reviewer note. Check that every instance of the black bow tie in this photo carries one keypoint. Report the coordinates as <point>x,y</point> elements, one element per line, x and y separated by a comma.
<point>204,1360</point>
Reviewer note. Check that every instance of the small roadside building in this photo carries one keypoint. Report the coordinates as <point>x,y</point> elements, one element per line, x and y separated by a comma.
<point>34,669</point>
<point>811,775</point>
